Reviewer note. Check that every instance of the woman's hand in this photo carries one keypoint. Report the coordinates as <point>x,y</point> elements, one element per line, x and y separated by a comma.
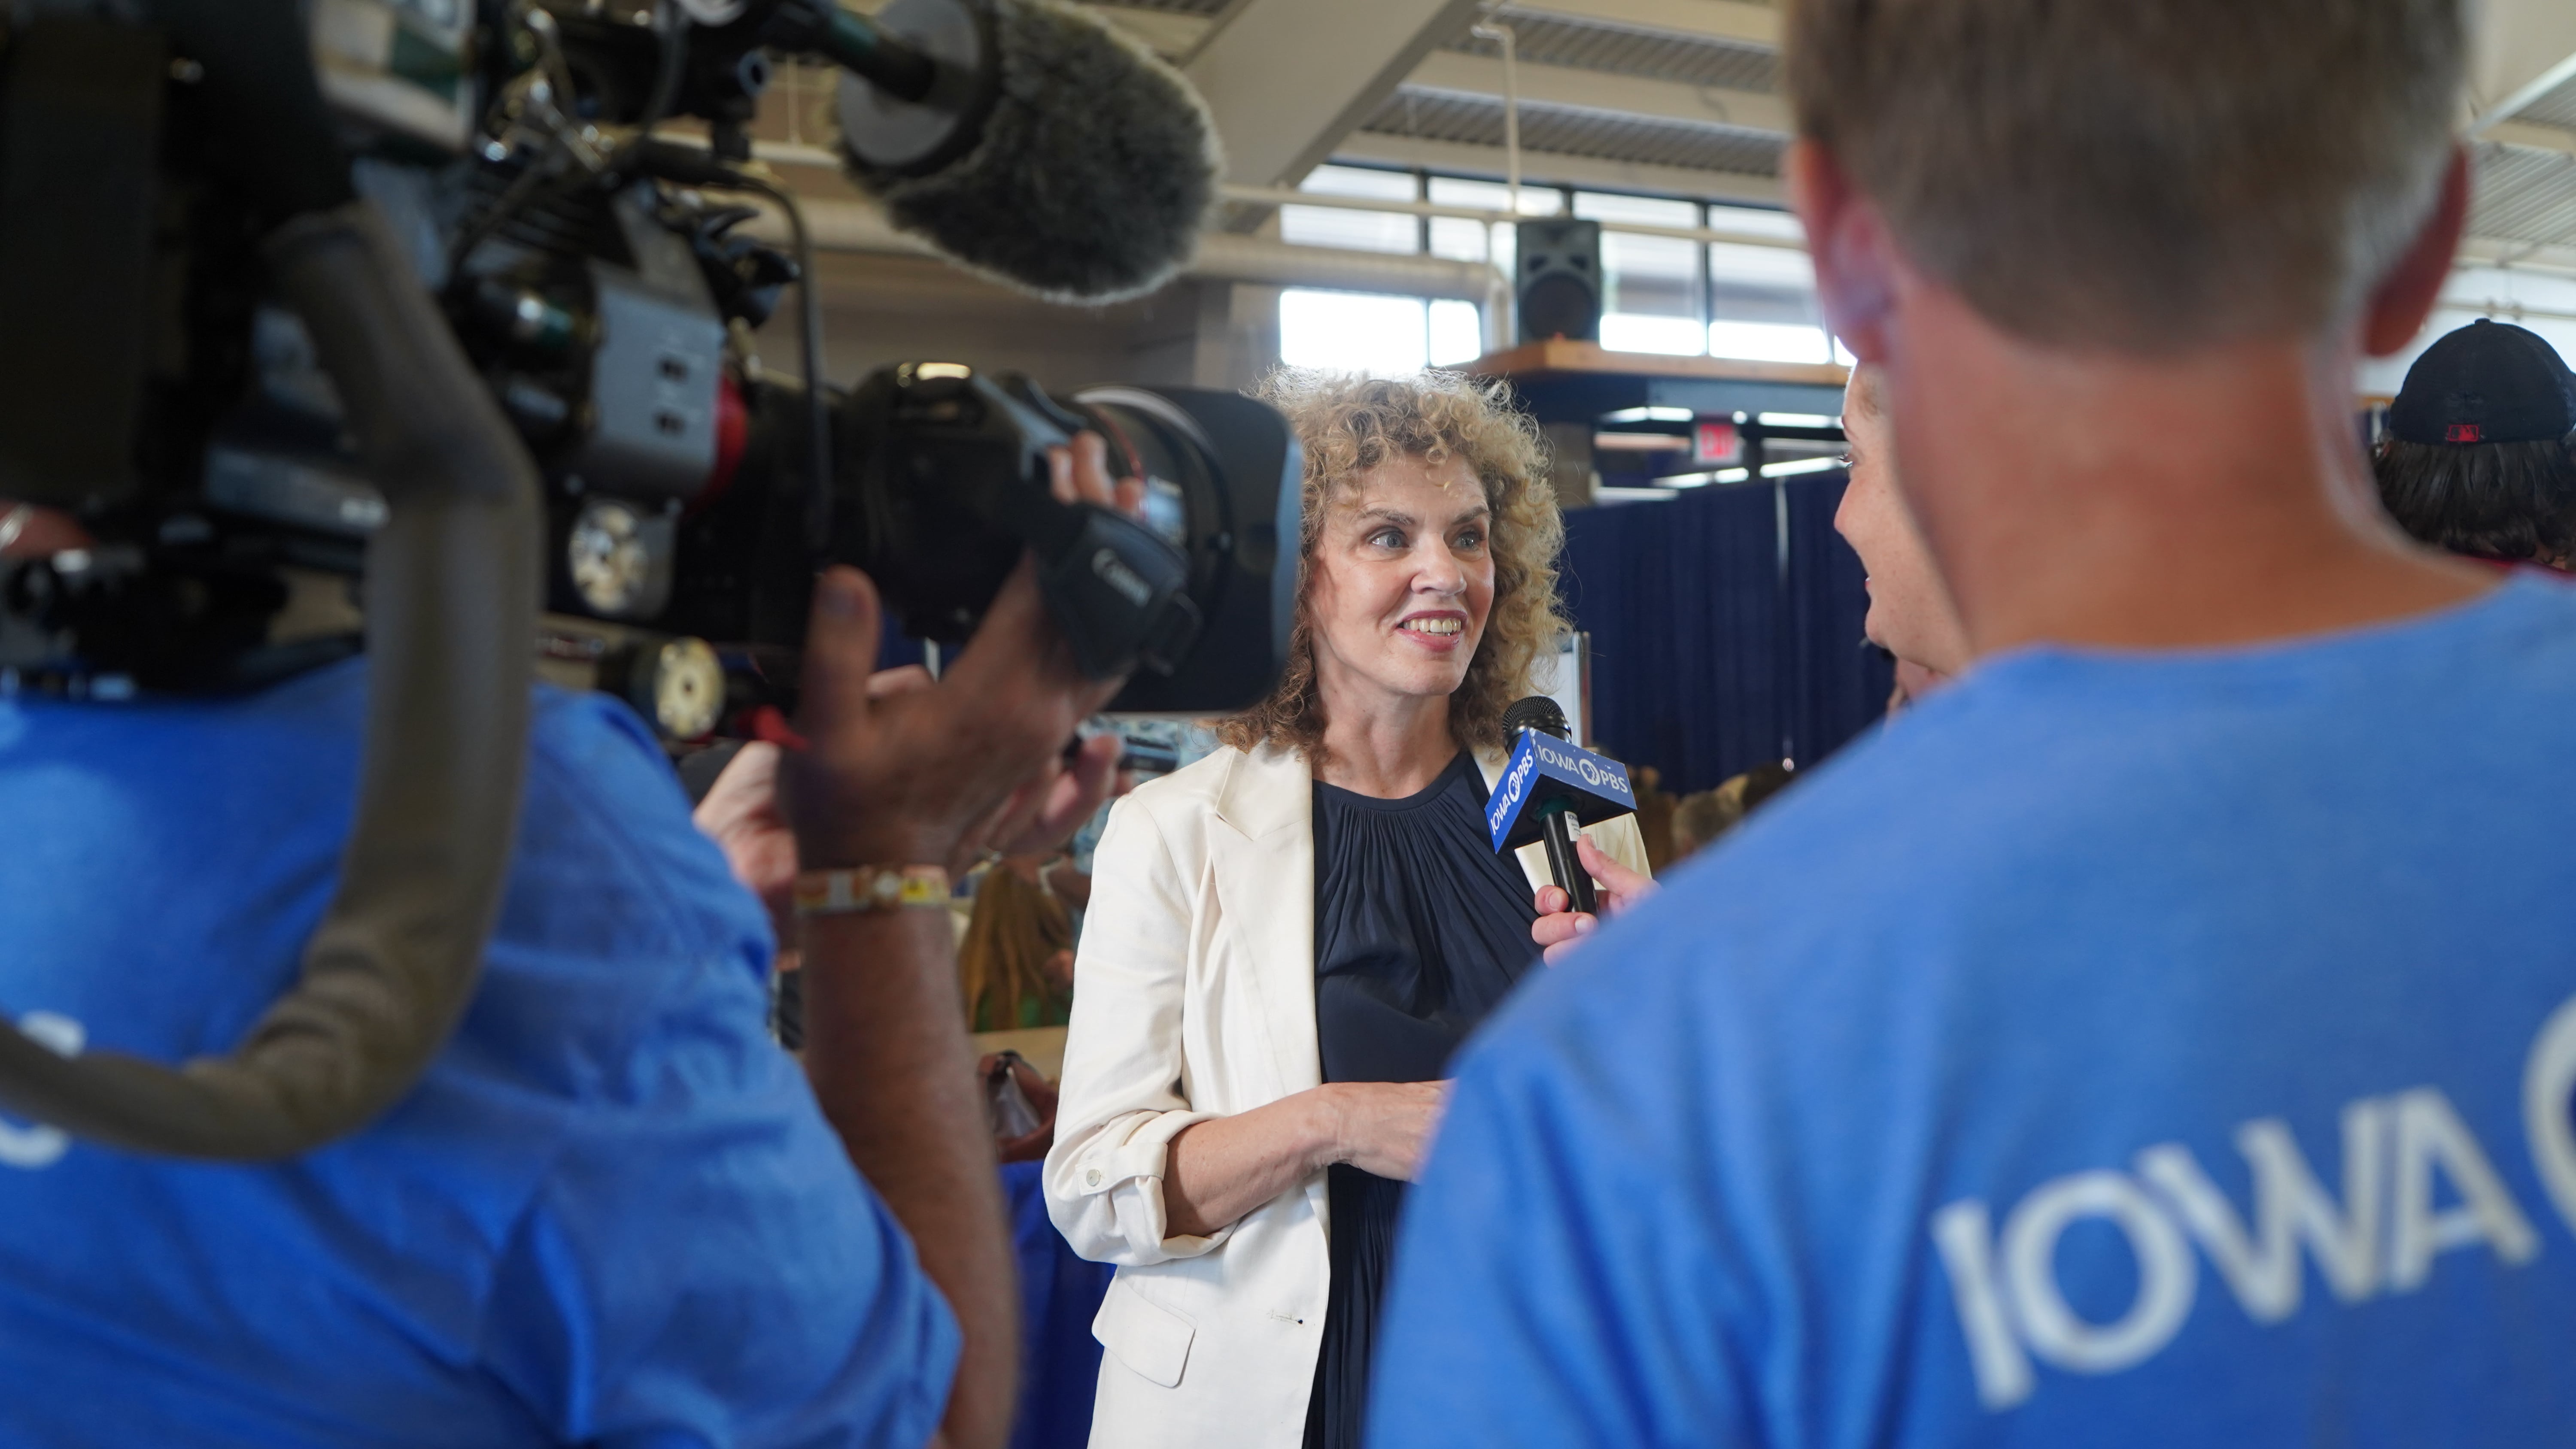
<point>1559,927</point>
<point>1384,1127</point>
<point>1217,1170</point>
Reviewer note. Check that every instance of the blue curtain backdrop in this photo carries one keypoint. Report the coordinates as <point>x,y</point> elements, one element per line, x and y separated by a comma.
<point>1726,629</point>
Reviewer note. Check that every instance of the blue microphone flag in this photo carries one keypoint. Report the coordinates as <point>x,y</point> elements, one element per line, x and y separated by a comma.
<point>1544,771</point>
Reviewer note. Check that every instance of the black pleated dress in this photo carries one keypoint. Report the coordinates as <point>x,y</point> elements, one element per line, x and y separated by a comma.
<point>1420,930</point>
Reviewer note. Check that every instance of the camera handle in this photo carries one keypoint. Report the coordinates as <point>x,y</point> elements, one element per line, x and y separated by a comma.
<point>451,607</point>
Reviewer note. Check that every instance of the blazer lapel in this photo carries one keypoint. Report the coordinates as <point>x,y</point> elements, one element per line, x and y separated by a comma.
<point>1261,849</point>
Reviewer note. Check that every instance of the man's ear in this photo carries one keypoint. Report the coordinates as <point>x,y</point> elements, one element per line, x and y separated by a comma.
<point>1848,241</point>
<point>2398,308</point>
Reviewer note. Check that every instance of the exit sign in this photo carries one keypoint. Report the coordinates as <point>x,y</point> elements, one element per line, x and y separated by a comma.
<point>1716,444</point>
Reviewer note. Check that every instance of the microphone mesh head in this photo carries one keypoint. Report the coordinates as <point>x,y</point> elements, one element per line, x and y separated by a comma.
<point>1538,712</point>
<point>1095,173</point>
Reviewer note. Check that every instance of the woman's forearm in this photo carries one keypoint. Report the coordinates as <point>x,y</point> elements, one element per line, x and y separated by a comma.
<point>1216,1171</point>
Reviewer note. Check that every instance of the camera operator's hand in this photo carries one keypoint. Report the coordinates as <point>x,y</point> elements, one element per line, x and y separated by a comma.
<point>927,773</point>
<point>742,812</point>
<point>919,777</point>
<point>897,770</point>
<point>1041,815</point>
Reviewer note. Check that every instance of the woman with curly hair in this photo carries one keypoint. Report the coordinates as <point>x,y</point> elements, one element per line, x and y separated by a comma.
<point>1288,939</point>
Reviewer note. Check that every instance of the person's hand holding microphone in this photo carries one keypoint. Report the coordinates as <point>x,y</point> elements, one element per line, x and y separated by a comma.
<point>1559,927</point>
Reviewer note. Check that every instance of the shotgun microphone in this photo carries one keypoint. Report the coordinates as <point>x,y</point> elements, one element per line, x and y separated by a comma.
<point>1549,788</point>
<point>1027,141</point>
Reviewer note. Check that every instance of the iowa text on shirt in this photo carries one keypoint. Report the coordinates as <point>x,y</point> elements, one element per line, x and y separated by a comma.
<point>2378,1232</point>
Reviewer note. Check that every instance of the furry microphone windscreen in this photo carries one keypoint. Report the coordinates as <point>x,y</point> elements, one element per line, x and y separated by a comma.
<point>1094,173</point>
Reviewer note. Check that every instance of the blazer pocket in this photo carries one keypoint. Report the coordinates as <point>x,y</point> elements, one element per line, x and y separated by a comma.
<point>1147,1337</point>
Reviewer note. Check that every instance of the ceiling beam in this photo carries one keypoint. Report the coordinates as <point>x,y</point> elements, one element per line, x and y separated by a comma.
<point>1289,78</point>
<point>2530,137</point>
<point>1705,19</point>
<point>1592,90</point>
<point>861,226</point>
<point>1169,33</point>
<point>1542,168</point>
<point>2522,50</point>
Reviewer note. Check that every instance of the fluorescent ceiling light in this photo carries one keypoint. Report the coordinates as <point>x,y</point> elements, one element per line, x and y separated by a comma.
<point>1638,443</point>
<point>1702,480</point>
<point>1796,420</point>
<point>1648,415</point>
<point>1634,495</point>
<point>1803,465</point>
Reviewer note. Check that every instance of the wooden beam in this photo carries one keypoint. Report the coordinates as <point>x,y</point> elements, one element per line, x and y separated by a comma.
<point>1558,356</point>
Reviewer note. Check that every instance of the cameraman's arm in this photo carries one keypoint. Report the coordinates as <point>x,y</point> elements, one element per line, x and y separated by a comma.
<point>918,777</point>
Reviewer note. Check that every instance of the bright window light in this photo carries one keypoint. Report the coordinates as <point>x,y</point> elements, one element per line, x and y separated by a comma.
<point>1802,465</point>
<point>1756,221</point>
<point>1768,342</point>
<point>1636,210</point>
<point>1457,333</point>
<point>1495,196</point>
<point>1473,241</point>
<point>1367,231</point>
<point>1762,269</point>
<point>1629,332</point>
<point>1459,239</point>
<point>1364,231</point>
<point>1359,181</point>
<point>1702,480</point>
<point>1353,331</point>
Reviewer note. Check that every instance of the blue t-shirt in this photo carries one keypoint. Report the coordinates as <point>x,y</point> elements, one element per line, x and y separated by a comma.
<point>611,1213</point>
<point>2124,1049</point>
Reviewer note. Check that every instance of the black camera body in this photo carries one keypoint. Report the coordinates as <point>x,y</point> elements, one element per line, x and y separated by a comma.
<point>945,481</point>
<point>602,284</point>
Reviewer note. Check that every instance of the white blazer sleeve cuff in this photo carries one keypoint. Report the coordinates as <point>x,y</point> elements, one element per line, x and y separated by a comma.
<point>1107,1196</point>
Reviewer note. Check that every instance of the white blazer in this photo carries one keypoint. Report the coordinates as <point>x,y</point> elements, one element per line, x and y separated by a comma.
<point>1195,998</point>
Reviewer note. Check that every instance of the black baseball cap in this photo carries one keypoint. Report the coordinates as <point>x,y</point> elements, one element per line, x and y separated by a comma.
<point>2489,382</point>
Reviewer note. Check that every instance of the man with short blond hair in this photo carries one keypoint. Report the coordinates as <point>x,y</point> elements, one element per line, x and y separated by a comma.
<point>2103,1055</point>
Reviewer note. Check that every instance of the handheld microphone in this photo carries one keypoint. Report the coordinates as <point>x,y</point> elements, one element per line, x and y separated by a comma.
<point>1028,142</point>
<point>1549,788</point>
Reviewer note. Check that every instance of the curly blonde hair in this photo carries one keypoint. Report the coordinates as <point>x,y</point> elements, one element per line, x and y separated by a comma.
<point>1349,425</point>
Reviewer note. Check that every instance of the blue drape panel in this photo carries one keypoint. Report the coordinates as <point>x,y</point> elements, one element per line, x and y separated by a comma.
<point>1059,1296</point>
<point>1707,658</point>
<point>1682,601</point>
<point>1841,683</point>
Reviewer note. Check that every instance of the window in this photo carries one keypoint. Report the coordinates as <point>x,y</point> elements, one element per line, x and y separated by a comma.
<point>1457,333</point>
<point>1651,284</point>
<point>1775,342</point>
<point>1462,240</point>
<point>1674,295</point>
<point>1367,231</point>
<point>1373,333</point>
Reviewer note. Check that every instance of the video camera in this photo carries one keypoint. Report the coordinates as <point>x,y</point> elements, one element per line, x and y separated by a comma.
<point>599,280</point>
<point>410,295</point>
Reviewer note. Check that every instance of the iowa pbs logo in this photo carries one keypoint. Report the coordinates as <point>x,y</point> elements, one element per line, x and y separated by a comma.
<point>1544,769</point>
